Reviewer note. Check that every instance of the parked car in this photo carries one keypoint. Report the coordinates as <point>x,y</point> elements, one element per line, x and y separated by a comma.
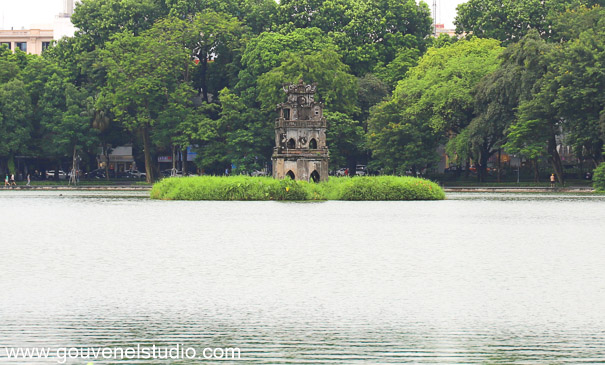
<point>95,174</point>
<point>138,174</point>
<point>258,173</point>
<point>361,170</point>
<point>168,173</point>
<point>340,172</point>
<point>50,174</point>
<point>125,175</point>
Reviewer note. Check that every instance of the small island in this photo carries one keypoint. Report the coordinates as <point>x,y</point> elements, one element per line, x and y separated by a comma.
<point>378,188</point>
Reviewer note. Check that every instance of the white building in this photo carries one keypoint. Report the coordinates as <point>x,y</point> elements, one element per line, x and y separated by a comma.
<point>36,39</point>
<point>63,27</point>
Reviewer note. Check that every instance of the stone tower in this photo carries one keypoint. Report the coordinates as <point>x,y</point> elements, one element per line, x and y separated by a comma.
<point>301,151</point>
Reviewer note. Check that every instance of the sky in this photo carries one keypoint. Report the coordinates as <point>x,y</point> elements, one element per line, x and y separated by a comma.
<point>25,13</point>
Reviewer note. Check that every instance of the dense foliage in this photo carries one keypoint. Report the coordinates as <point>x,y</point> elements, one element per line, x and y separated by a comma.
<point>264,188</point>
<point>170,75</point>
<point>599,178</point>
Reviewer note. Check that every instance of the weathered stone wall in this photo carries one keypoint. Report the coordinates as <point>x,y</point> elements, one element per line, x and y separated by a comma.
<point>302,168</point>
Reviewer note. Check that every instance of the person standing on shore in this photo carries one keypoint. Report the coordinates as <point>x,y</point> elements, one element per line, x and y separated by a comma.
<point>28,180</point>
<point>6,181</point>
<point>13,180</point>
<point>552,180</point>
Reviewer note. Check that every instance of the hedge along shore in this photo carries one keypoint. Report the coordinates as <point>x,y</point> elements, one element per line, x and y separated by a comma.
<point>375,188</point>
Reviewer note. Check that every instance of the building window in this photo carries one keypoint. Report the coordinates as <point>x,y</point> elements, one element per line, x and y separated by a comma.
<point>291,143</point>
<point>45,46</point>
<point>313,144</point>
<point>22,46</point>
<point>290,174</point>
<point>287,114</point>
<point>7,44</point>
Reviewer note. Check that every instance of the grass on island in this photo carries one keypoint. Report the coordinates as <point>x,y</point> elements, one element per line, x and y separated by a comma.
<point>267,188</point>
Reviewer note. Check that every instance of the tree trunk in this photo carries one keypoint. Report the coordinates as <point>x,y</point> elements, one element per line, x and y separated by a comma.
<point>57,168</point>
<point>598,154</point>
<point>499,165</point>
<point>147,151</point>
<point>555,159</point>
<point>536,170</point>
<point>173,160</point>
<point>106,153</point>
<point>184,160</point>
<point>204,71</point>
<point>482,165</point>
<point>352,166</point>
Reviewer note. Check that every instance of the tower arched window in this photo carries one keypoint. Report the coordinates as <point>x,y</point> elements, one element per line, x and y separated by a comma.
<point>313,144</point>
<point>291,143</point>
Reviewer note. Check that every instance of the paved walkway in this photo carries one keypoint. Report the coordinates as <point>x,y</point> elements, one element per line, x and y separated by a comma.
<point>80,187</point>
<point>453,189</point>
<point>514,189</point>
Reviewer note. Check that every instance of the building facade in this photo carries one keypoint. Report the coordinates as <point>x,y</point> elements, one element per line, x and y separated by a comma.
<point>33,41</point>
<point>301,151</point>
<point>120,159</point>
<point>441,29</point>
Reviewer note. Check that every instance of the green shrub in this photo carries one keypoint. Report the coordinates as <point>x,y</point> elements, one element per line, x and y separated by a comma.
<point>266,188</point>
<point>229,188</point>
<point>389,188</point>
<point>598,178</point>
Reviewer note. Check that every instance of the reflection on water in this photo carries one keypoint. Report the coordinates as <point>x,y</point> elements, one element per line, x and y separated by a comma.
<point>478,278</point>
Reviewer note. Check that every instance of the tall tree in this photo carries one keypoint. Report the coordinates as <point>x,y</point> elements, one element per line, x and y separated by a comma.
<point>345,137</point>
<point>578,81</point>
<point>439,90</point>
<point>497,98</point>
<point>400,141</point>
<point>269,50</point>
<point>435,100</point>
<point>537,127</point>
<point>142,71</point>
<point>509,20</point>
<point>210,39</point>
<point>98,20</point>
<point>15,121</point>
<point>368,32</point>
<point>336,87</point>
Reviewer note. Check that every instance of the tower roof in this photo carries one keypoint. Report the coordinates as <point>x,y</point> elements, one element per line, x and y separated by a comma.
<point>300,88</point>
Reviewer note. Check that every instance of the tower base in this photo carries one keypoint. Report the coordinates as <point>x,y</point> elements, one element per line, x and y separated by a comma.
<point>300,168</point>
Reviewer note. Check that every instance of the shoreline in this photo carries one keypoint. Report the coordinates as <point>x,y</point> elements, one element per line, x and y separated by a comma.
<point>81,187</point>
<point>509,189</point>
<point>453,189</point>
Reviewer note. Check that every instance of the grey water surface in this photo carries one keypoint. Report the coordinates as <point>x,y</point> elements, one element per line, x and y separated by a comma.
<point>477,278</point>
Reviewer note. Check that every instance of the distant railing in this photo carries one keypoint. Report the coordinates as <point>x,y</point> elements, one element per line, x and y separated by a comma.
<point>26,33</point>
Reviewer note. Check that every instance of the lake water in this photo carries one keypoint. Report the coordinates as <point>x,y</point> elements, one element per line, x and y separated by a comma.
<point>478,278</point>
